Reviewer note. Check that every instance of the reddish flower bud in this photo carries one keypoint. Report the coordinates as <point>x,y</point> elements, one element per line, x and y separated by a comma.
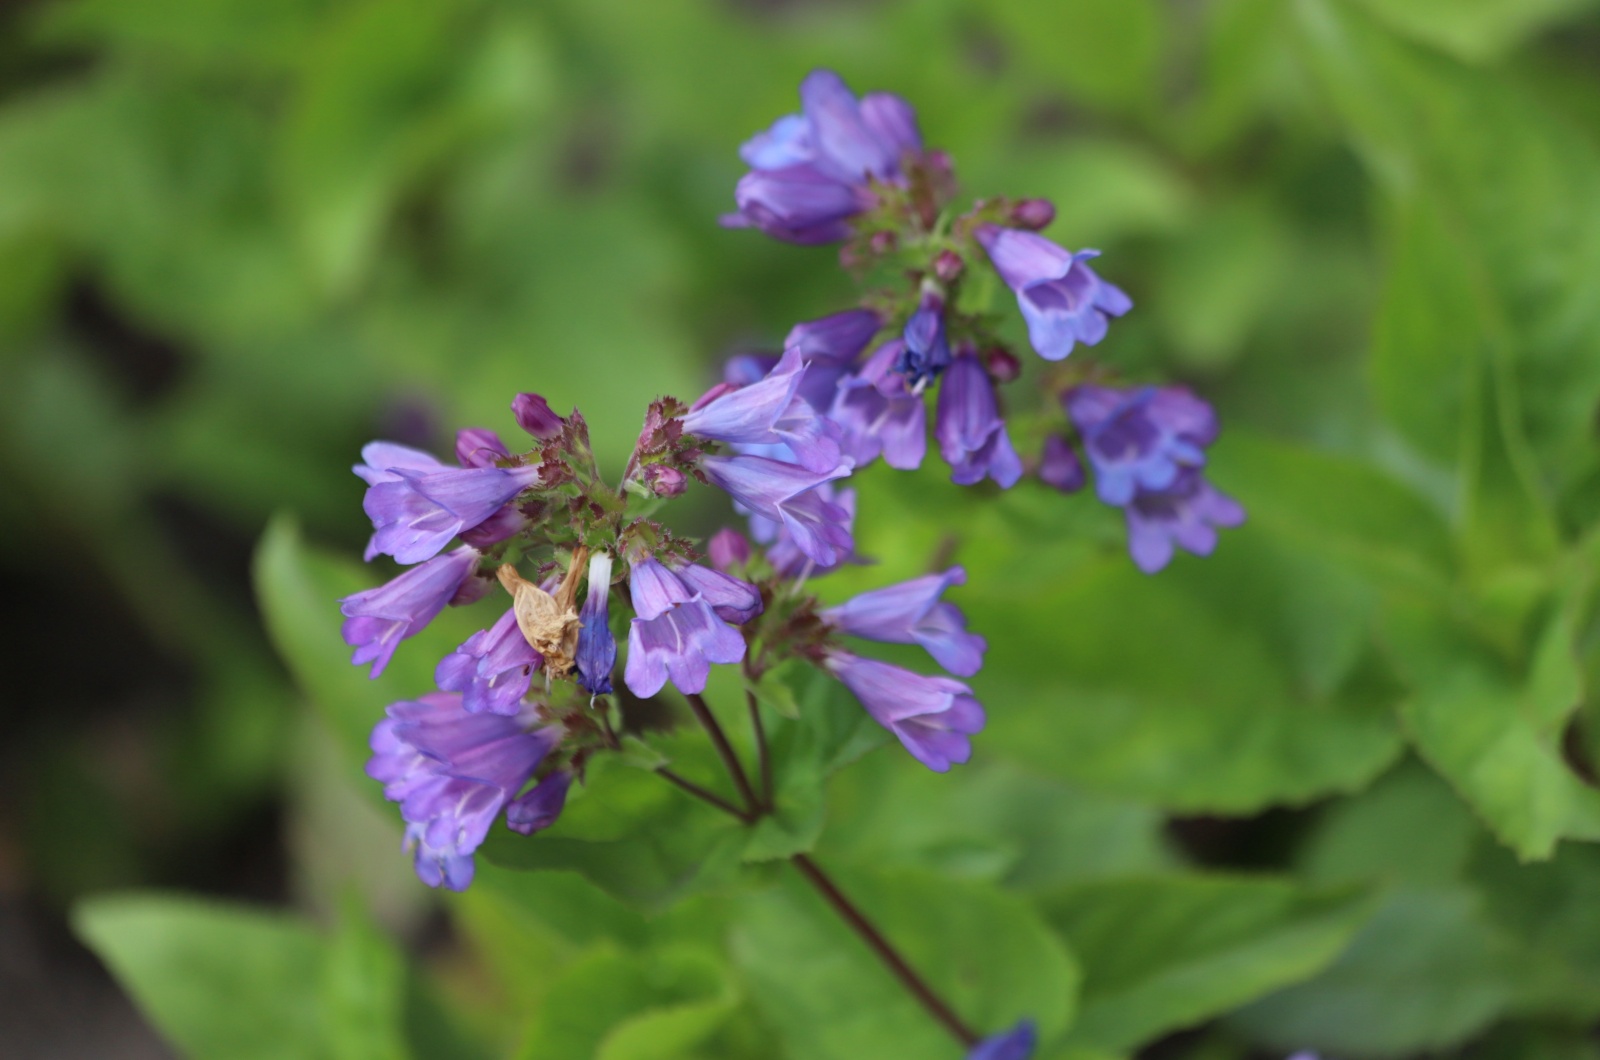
<point>1002,364</point>
<point>1033,214</point>
<point>883,242</point>
<point>664,481</point>
<point>534,416</point>
<point>948,266</point>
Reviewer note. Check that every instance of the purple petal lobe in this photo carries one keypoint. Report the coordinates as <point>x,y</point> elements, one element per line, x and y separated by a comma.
<point>377,620</point>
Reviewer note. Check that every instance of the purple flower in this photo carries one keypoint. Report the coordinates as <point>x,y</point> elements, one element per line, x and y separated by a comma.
<point>1140,439</point>
<point>786,494</point>
<point>829,346</point>
<point>380,462</point>
<point>675,635</point>
<point>479,447</point>
<point>810,172</point>
<point>932,716</point>
<point>1185,514</point>
<point>539,808</point>
<point>1016,1044</point>
<point>533,414</point>
<point>912,613</point>
<point>925,352</point>
<point>728,549</point>
<point>492,669</point>
<point>733,600</point>
<point>377,620</point>
<point>452,773</point>
<point>971,434</point>
<point>1061,298</point>
<point>597,648</point>
<point>417,512</point>
<point>878,414</point>
<point>1059,465</point>
<point>786,558</point>
<point>770,412</point>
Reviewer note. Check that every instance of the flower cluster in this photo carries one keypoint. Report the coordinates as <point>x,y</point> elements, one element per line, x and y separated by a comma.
<point>857,172</point>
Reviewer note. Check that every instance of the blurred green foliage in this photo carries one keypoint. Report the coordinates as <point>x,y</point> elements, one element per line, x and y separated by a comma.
<point>239,237</point>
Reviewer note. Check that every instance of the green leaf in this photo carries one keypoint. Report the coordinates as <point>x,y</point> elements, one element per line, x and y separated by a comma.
<point>1423,974</point>
<point>985,952</point>
<point>1166,953</point>
<point>220,981</point>
<point>1476,30</point>
<point>615,1007</point>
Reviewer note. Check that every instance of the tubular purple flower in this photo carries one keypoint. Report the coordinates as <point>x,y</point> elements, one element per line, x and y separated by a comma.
<point>912,613</point>
<point>1059,465</point>
<point>505,523</point>
<point>1062,299</point>
<point>452,773</point>
<point>1140,439</point>
<point>972,436</point>
<point>675,635</point>
<point>728,549</point>
<point>492,669</point>
<point>829,346</point>
<point>377,620</point>
<point>479,447</point>
<point>786,494</point>
<point>380,462</point>
<point>533,414</point>
<point>597,648</point>
<point>734,601</point>
<point>770,412</point>
<point>931,716</point>
<point>810,171</point>
<point>1185,514</point>
<point>789,561</point>
<point>878,414</point>
<point>1016,1044</point>
<point>539,808</point>
<point>417,512</point>
<point>925,352</point>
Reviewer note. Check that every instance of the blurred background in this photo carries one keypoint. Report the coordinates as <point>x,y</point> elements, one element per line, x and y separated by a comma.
<point>238,238</point>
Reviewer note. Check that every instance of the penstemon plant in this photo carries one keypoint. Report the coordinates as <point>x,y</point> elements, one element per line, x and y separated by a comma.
<point>525,706</point>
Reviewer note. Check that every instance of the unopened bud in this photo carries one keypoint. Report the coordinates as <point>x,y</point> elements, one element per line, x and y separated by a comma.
<point>479,447</point>
<point>883,242</point>
<point>948,266</point>
<point>534,416</point>
<point>1059,465</point>
<point>1002,364</point>
<point>728,549</point>
<point>1033,214</point>
<point>665,481</point>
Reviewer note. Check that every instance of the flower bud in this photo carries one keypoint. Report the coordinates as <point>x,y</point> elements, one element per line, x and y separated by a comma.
<point>1002,364</point>
<point>534,416</point>
<point>665,481</point>
<point>948,266</point>
<point>883,242</point>
<point>479,447</point>
<point>1059,465</point>
<point>1033,214</point>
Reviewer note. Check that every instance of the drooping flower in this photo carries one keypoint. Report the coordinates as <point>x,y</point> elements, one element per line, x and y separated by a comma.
<point>416,512</point>
<point>811,172</point>
<point>676,634</point>
<point>1186,514</point>
<point>377,620</point>
<point>597,648</point>
<point>924,351</point>
<point>878,414</point>
<point>931,716</point>
<point>786,558</point>
<point>1139,439</point>
<point>972,436</point>
<point>1016,1044</point>
<point>913,613</point>
<point>452,773</point>
<point>543,803</point>
<point>769,412</point>
<point>787,494</point>
<point>829,346</point>
<point>492,669</point>
<point>733,600</point>
<point>1059,465</point>
<point>1062,299</point>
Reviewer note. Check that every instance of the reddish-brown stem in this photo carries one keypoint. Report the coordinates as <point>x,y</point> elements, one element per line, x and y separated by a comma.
<point>886,953</point>
<point>703,795</point>
<point>763,756</point>
<point>719,740</point>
